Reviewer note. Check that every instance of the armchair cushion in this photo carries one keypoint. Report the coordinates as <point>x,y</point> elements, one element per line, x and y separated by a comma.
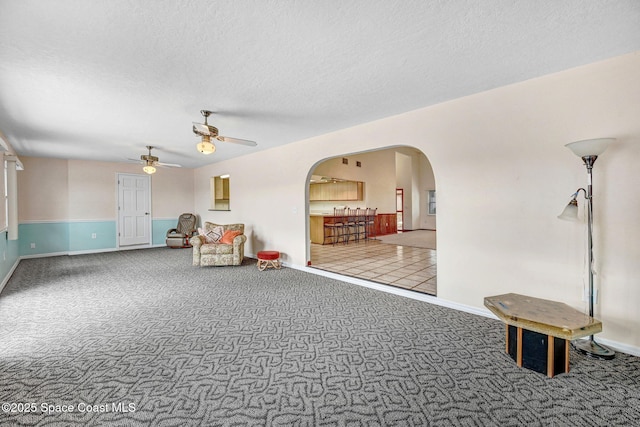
<point>219,249</point>
<point>174,233</point>
<point>212,236</point>
<point>229,235</point>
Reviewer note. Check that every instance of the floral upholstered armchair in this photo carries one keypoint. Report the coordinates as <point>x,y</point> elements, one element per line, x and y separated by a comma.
<point>217,245</point>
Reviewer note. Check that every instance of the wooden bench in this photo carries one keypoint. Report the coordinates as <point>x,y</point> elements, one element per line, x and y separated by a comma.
<point>539,331</point>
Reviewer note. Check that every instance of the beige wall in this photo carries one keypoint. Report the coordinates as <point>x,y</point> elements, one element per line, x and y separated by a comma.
<point>426,182</point>
<point>43,190</point>
<point>172,191</point>
<point>503,175</point>
<point>404,181</point>
<point>68,190</point>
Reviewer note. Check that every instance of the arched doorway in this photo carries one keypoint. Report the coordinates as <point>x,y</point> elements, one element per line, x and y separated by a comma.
<point>405,259</point>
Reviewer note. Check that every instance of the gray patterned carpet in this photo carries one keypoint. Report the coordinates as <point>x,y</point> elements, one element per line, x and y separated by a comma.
<point>142,338</point>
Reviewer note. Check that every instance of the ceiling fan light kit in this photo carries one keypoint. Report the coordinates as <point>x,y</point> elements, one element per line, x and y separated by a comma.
<point>208,132</point>
<point>150,162</point>
<point>206,146</point>
<point>149,169</point>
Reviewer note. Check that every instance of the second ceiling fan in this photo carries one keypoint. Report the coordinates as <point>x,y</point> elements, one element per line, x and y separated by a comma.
<point>208,132</point>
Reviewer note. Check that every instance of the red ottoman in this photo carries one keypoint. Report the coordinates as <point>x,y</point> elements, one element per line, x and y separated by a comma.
<point>268,259</point>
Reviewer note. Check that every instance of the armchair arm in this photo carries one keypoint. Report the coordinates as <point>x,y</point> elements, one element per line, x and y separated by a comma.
<point>172,230</point>
<point>238,249</point>
<point>239,241</point>
<point>196,241</point>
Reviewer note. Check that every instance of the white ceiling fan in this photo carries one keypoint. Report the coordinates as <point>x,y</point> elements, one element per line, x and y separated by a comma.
<point>151,162</point>
<point>208,132</point>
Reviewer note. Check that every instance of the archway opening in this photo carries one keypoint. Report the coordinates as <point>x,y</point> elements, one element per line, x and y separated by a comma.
<point>343,240</point>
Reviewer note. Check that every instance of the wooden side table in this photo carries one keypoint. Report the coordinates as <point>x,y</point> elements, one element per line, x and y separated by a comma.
<point>538,331</point>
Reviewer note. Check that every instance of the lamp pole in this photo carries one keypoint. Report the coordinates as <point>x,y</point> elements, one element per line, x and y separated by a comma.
<point>590,347</point>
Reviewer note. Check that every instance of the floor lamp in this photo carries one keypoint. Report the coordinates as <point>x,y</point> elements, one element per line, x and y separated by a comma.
<point>588,150</point>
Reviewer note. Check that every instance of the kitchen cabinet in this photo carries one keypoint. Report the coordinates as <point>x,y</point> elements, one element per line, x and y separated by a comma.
<point>386,224</point>
<point>336,191</point>
<point>316,228</point>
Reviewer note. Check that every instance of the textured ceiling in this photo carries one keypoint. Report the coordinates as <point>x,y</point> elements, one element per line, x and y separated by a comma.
<point>102,79</point>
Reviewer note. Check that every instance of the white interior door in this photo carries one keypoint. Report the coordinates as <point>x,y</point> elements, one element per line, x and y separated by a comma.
<point>134,213</point>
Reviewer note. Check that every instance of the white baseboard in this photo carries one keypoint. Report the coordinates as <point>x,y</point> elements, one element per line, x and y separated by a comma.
<point>91,251</point>
<point>9,274</point>
<point>620,347</point>
<point>48,254</point>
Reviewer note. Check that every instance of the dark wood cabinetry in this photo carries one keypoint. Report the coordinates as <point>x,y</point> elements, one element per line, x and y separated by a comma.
<point>386,224</point>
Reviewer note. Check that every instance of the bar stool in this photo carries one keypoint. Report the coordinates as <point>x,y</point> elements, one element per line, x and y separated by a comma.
<point>370,227</point>
<point>351,225</point>
<point>361,221</point>
<point>334,228</point>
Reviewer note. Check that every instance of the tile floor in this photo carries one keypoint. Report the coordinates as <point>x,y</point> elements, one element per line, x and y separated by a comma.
<point>401,266</point>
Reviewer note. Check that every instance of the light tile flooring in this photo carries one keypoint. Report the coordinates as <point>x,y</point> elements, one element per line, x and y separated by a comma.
<point>401,266</point>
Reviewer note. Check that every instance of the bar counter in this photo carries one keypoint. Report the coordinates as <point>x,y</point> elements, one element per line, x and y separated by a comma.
<point>383,224</point>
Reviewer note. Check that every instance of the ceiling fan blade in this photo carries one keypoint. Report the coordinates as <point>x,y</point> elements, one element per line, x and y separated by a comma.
<point>237,141</point>
<point>136,160</point>
<point>201,129</point>
<point>168,165</point>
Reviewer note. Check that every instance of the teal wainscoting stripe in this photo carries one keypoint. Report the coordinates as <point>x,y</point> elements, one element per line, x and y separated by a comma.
<point>92,235</point>
<point>45,237</point>
<point>160,228</point>
<point>70,237</point>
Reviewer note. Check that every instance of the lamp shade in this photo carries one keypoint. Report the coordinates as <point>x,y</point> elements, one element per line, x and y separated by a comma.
<point>589,147</point>
<point>570,213</point>
<point>206,146</point>
<point>149,169</point>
